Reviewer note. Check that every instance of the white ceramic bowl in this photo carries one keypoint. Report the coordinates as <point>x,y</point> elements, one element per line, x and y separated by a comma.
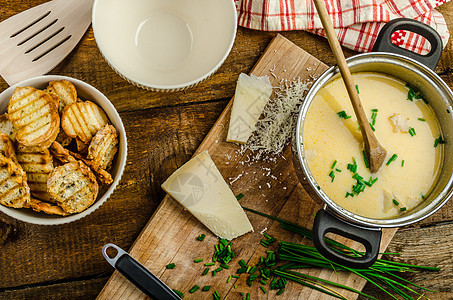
<point>164,45</point>
<point>85,92</point>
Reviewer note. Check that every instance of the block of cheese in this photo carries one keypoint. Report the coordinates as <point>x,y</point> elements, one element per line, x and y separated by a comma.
<point>252,94</point>
<point>199,187</point>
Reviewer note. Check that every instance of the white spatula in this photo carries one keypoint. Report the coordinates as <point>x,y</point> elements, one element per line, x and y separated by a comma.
<point>34,41</point>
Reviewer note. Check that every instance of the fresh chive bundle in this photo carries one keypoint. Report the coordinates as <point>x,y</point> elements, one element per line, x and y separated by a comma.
<point>343,114</point>
<point>381,274</point>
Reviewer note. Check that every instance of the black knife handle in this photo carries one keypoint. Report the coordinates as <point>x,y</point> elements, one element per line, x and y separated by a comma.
<point>136,273</point>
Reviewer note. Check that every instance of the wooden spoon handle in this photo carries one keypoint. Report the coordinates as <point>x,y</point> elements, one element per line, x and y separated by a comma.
<point>342,65</point>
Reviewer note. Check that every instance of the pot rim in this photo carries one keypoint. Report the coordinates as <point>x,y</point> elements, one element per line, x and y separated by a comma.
<point>332,206</point>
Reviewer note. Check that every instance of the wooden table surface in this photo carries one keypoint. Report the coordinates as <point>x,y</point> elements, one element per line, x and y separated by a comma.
<point>164,130</point>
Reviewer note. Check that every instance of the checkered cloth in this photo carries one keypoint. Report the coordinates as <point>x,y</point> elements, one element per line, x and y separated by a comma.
<point>357,22</point>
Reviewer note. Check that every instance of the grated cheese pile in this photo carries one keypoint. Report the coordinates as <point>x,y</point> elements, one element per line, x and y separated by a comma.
<point>277,125</point>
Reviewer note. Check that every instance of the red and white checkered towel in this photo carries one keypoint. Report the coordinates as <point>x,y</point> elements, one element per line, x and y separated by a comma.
<point>357,22</point>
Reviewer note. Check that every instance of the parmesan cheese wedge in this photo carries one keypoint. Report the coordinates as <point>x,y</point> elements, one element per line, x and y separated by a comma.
<point>200,188</point>
<point>252,94</point>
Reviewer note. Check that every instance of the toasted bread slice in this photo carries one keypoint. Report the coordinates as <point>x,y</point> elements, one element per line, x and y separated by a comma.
<point>7,127</point>
<point>48,208</point>
<point>63,155</point>
<point>34,114</point>
<point>14,190</point>
<point>37,163</point>
<point>65,91</point>
<point>73,186</point>
<point>7,147</point>
<point>103,147</point>
<point>83,120</point>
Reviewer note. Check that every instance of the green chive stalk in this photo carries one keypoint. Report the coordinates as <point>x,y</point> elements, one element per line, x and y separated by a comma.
<point>299,257</point>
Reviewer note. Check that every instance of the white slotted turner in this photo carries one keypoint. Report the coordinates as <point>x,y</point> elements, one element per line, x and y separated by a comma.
<point>35,41</point>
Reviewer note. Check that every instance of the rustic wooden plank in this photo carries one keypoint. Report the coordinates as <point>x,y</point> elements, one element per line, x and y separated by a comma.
<point>80,289</point>
<point>31,254</point>
<point>86,63</point>
<point>430,246</point>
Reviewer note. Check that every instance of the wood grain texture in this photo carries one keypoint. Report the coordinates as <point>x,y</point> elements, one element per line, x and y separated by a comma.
<point>164,131</point>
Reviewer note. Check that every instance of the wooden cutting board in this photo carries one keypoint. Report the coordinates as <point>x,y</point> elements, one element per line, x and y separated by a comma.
<point>269,186</point>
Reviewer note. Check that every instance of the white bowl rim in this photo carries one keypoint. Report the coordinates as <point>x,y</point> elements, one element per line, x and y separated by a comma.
<point>174,86</point>
<point>122,157</point>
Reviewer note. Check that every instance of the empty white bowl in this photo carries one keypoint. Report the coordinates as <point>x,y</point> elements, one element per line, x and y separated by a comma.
<point>85,92</point>
<point>164,45</point>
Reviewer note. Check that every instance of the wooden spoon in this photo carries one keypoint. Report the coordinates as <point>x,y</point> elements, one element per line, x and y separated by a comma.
<point>373,150</point>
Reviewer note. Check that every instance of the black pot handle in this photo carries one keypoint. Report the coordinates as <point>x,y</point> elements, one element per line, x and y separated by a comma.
<point>383,43</point>
<point>370,238</point>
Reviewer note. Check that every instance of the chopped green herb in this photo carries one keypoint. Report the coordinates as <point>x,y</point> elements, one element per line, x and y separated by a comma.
<point>402,163</point>
<point>357,88</point>
<point>423,196</point>
<point>263,282</point>
<point>438,141</point>
<point>193,289</point>
<point>374,110</point>
<point>342,114</point>
<point>214,273</point>
<point>216,295</point>
<point>412,131</point>
<point>391,159</point>
<point>332,175</point>
<point>338,170</point>
<point>197,260</point>
<point>201,237</point>
<point>225,266</point>
<point>242,263</point>
<point>181,295</point>
<point>373,116</point>
<point>235,276</point>
<point>170,266</point>
<point>239,196</point>
<point>209,264</point>
<point>421,119</point>
<point>349,194</point>
<point>229,278</point>
<point>206,288</point>
<point>395,202</point>
<point>280,291</point>
<point>247,296</point>
<point>241,270</point>
<point>365,159</point>
<point>372,127</point>
<point>205,271</point>
<point>333,164</point>
<point>402,209</point>
<point>218,269</point>
<point>263,289</point>
<point>414,94</point>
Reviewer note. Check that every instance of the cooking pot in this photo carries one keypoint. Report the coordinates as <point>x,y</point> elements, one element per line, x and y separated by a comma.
<point>410,67</point>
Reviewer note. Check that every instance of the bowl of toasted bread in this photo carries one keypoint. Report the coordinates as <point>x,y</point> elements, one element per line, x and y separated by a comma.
<point>63,150</point>
<point>164,45</point>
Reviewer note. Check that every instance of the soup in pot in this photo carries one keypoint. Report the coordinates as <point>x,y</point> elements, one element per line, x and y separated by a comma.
<point>405,126</point>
